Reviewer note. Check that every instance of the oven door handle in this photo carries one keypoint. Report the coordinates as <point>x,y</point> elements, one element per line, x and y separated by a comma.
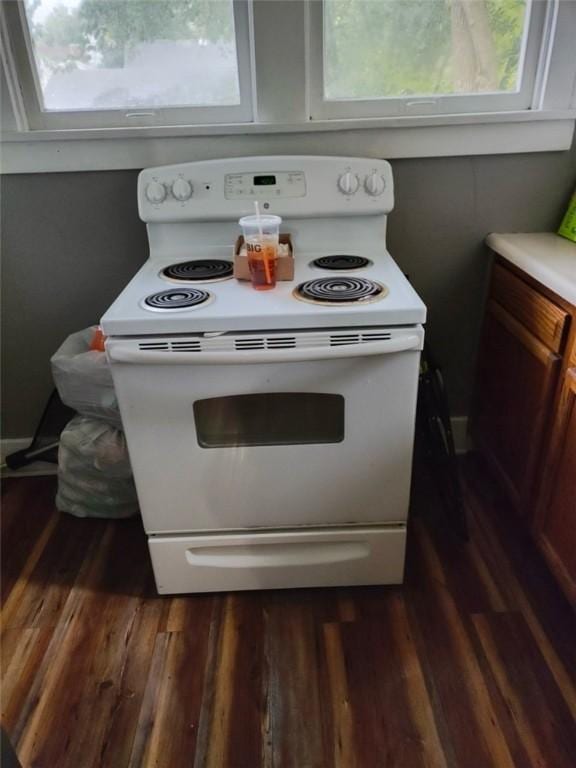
<point>122,352</point>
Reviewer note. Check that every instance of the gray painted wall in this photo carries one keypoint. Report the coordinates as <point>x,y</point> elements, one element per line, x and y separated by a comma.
<point>70,241</point>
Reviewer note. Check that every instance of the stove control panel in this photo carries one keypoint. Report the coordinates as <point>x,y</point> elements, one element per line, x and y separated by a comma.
<point>290,186</point>
<point>261,186</point>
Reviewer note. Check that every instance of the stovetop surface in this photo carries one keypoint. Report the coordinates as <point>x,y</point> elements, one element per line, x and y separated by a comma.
<point>234,305</point>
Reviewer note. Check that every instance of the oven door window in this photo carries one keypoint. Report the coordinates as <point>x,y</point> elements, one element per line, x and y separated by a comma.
<point>279,418</point>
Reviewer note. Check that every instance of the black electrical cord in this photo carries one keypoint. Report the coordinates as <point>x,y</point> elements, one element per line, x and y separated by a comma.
<point>26,456</point>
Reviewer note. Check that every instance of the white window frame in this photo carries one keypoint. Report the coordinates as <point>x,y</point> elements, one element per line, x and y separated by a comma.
<point>38,118</point>
<point>533,46</point>
<point>283,120</point>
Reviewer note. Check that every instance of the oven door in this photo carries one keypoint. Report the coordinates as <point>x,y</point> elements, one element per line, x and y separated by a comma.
<point>269,438</point>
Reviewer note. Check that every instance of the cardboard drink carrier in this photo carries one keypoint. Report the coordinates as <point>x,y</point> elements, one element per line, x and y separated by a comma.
<point>284,270</point>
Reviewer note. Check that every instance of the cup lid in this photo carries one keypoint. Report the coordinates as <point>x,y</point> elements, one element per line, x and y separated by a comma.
<point>264,220</point>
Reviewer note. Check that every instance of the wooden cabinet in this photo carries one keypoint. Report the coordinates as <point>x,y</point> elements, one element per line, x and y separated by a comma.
<point>555,521</point>
<point>524,414</point>
<point>518,371</point>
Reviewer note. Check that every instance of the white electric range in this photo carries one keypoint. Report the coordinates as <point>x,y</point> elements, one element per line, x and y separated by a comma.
<point>271,432</point>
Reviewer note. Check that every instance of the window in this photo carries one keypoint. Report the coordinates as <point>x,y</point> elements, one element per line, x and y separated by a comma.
<point>424,56</point>
<point>414,78</point>
<point>133,61</point>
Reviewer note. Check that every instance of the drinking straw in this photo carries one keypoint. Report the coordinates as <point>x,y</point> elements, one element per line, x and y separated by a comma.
<point>264,256</point>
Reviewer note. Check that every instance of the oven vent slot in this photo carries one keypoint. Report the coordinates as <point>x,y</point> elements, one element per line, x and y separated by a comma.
<point>256,343</point>
<point>266,342</point>
<point>156,345</point>
<point>344,338</point>
<point>376,336</point>
<point>281,342</point>
<point>191,345</point>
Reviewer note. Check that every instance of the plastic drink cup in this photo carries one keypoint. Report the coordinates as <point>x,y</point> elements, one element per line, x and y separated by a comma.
<point>261,238</point>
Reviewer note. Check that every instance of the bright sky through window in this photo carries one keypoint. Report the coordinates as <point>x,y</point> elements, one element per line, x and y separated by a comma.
<point>119,54</point>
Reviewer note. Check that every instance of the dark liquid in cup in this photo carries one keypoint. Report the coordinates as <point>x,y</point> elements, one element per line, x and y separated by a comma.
<point>263,267</point>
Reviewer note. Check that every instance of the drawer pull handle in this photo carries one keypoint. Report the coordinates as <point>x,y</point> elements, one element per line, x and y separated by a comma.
<point>277,555</point>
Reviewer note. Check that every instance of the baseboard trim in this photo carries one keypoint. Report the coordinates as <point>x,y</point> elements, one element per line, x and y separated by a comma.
<point>37,468</point>
<point>460,433</point>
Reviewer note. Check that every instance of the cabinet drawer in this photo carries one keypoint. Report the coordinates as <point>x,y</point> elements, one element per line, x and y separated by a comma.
<point>329,558</point>
<point>536,312</point>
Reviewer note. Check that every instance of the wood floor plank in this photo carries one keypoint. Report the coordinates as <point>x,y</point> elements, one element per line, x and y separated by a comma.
<point>554,633</point>
<point>145,726</point>
<point>28,517</point>
<point>117,743</point>
<point>237,687</point>
<point>422,712</point>
<point>217,745</point>
<point>384,731</point>
<point>465,572</point>
<point>249,684</point>
<point>293,737</point>
<point>203,741</point>
<point>20,586</point>
<point>11,645</point>
<point>81,683</point>
<point>386,676</point>
<point>517,552</point>
<point>38,600</point>
<point>542,719</point>
<point>61,685</point>
<point>342,720</point>
<point>47,667</point>
<point>116,589</point>
<point>347,610</point>
<point>176,690</point>
<point>22,653</point>
<point>475,733</point>
<point>493,589</point>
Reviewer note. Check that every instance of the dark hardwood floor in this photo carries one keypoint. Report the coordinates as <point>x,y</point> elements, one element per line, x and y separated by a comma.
<point>469,665</point>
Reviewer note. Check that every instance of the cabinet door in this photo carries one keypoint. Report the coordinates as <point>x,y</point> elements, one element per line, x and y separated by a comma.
<point>517,375</point>
<point>556,523</point>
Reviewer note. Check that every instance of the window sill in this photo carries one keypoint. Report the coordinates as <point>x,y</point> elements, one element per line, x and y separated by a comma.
<point>404,137</point>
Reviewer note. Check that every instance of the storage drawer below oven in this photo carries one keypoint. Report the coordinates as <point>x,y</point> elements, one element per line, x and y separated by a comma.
<point>330,558</point>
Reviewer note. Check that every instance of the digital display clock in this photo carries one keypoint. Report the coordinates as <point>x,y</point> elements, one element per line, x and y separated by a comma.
<point>266,185</point>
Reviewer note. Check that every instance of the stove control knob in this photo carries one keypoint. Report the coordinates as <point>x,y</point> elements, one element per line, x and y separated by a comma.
<point>182,190</point>
<point>156,192</point>
<point>374,184</point>
<point>348,183</point>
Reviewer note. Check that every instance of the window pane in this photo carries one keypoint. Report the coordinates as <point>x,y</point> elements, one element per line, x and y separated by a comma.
<point>279,418</point>
<point>398,48</point>
<point>114,54</point>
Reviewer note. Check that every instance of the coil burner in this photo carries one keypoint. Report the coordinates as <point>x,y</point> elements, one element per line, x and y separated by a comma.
<point>168,301</point>
<point>199,270</point>
<point>340,290</point>
<point>341,261</point>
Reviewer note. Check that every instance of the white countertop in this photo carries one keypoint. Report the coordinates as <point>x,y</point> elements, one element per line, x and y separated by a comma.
<point>546,257</point>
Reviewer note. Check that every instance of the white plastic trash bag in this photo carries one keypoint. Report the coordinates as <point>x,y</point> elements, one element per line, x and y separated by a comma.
<point>94,472</point>
<point>83,378</point>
